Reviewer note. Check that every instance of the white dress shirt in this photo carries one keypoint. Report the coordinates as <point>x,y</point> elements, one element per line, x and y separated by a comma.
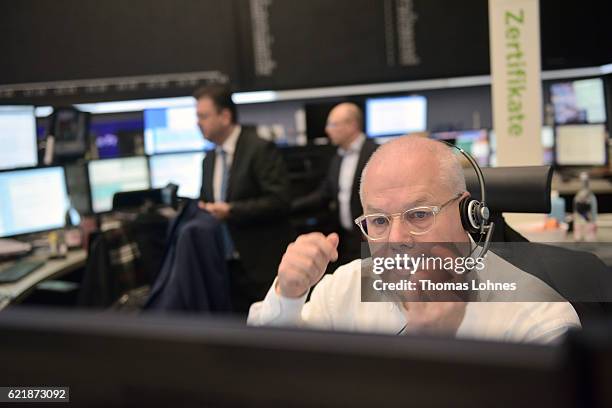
<point>348,167</point>
<point>229,147</point>
<point>336,304</point>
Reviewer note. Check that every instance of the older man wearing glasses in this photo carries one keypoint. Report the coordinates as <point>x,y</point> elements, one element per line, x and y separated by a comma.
<point>410,192</point>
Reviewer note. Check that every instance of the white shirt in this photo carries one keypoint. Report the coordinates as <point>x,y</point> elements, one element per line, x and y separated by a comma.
<point>229,147</point>
<point>348,167</point>
<point>336,304</point>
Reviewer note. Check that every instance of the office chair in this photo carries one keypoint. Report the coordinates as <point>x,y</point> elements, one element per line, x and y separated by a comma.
<point>578,276</point>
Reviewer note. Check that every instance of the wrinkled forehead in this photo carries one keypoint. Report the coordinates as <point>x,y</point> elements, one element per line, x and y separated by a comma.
<point>397,185</point>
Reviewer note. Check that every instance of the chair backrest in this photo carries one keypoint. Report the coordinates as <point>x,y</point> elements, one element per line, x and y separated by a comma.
<point>527,190</point>
<point>514,189</point>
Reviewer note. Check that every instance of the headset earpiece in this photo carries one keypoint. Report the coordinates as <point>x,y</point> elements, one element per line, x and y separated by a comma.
<point>473,214</point>
<point>467,218</point>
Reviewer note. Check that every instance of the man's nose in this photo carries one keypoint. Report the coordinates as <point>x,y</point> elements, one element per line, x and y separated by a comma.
<point>399,233</point>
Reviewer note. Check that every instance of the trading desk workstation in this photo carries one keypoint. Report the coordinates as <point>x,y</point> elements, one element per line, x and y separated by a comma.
<point>163,165</point>
<point>51,247</point>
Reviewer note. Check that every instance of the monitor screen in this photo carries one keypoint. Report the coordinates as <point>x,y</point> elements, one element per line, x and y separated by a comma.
<point>581,145</point>
<point>107,177</point>
<point>17,137</point>
<point>70,127</point>
<point>170,130</point>
<point>579,101</point>
<point>395,116</point>
<point>33,200</point>
<point>183,169</point>
<point>475,142</point>
<point>118,137</point>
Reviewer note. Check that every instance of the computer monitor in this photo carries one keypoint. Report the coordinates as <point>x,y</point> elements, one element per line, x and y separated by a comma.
<point>183,169</point>
<point>118,136</point>
<point>170,130</point>
<point>579,101</point>
<point>581,145</point>
<point>17,137</point>
<point>393,116</point>
<point>70,128</point>
<point>33,200</point>
<point>475,142</point>
<point>590,351</point>
<point>110,176</point>
<point>125,360</point>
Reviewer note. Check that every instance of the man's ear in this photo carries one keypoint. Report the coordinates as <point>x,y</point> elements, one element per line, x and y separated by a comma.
<point>226,114</point>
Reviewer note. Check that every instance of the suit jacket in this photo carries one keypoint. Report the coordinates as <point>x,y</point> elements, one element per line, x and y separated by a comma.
<point>327,193</point>
<point>258,191</point>
<point>190,279</point>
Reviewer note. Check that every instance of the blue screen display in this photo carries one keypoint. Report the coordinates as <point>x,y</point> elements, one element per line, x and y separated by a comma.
<point>32,200</point>
<point>170,130</point>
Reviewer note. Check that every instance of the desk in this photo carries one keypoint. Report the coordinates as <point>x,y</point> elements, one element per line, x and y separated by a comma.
<point>574,185</point>
<point>602,248</point>
<point>600,187</point>
<point>53,268</point>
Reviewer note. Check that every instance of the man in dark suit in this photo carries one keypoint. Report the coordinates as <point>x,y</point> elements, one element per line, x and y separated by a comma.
<point>340,189</point>
<point>244,185</point>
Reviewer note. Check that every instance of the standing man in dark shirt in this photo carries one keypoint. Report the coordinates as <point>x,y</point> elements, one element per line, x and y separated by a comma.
<point>340,189</point>
<point>245,186</point>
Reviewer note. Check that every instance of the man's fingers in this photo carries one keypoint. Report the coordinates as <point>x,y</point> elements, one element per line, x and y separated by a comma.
<point>297,275</point>
<point>333,239</point>
<point>304,263</point>
<point>313,236</point>
<point>315,264</point>
<point>315,252</point>
<point>297,270</point>
<point>310,254</point>
<point>316,238</point>
<point>305,268</point>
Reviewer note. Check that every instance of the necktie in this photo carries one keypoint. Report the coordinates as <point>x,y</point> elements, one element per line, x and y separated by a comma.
<point>227,238</point>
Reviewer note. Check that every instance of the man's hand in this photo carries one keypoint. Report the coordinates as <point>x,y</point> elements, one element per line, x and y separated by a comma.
<point>434,317</point>
<point>304,263</point>
<point>445,309</point>
<point>219,210</point>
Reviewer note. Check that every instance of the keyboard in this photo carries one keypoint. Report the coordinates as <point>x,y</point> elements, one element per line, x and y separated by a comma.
<point>18,270</point>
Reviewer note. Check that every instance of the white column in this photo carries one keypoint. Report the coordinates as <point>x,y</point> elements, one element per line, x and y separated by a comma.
<point>514,33</point>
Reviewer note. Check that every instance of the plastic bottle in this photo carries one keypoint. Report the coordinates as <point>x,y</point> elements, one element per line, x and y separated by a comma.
<point>557,207</point>
<point>585,212</point>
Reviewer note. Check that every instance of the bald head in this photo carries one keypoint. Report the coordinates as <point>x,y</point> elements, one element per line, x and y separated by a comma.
<point>344,124</point>
<point>347,111</point>
<point>414,161</point>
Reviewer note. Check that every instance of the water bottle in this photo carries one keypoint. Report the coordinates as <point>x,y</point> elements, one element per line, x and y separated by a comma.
<point>585,212</point>
<point>557,207</point>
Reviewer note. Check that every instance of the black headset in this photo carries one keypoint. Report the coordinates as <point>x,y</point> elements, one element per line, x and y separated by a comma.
<point>475,214</point>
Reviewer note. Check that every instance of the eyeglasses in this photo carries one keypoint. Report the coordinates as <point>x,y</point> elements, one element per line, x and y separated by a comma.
<point>419,220</point>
